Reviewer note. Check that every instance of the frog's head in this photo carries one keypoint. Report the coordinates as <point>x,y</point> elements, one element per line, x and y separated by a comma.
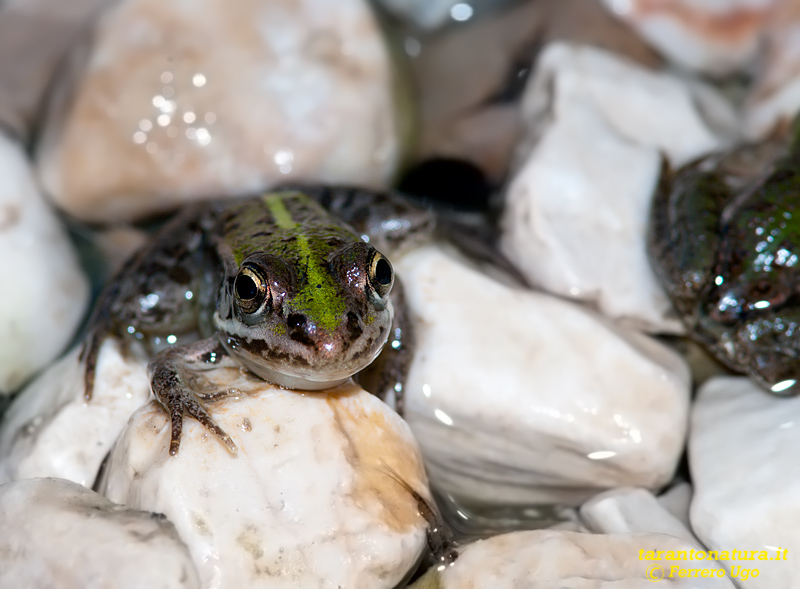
<point>308,318</point>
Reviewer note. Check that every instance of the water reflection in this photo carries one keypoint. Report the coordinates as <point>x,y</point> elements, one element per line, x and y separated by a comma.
<point>471,521</point>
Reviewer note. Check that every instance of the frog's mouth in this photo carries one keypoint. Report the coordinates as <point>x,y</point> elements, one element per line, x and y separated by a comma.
<point>306,365</point>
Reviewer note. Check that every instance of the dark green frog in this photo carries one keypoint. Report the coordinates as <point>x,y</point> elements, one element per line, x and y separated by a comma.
<point>725,242</point>
<point>275,283</point>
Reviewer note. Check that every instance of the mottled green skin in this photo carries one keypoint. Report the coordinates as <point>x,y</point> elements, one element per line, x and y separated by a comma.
<point>302,234</point>
<point>725,242</point>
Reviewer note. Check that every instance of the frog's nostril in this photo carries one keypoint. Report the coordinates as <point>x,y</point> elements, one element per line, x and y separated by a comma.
<point>295,320</point>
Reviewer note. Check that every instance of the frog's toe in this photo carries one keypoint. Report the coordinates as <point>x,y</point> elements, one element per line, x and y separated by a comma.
<point>176,417</point>
<point>193,409</point>
<point>216,395</point>
<point>179,400</point>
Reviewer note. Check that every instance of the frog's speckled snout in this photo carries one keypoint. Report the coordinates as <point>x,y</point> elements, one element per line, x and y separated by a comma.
<point>311,358</point>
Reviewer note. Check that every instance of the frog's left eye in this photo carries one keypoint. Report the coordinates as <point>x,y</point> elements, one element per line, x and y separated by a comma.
<point>381,274</point>
<point>251,289</point>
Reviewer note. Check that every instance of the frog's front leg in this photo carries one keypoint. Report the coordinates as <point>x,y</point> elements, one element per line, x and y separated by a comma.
<point>174,381</point>
<point>160,296</point>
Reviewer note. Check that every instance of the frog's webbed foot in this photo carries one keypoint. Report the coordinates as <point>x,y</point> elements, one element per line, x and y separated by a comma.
<point>176,390</point>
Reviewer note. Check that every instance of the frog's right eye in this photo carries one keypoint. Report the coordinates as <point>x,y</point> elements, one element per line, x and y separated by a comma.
<point>251,289</point>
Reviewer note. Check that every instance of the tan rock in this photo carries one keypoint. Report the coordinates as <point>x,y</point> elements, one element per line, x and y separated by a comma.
<point>175,102</point>
<point>311,499</point>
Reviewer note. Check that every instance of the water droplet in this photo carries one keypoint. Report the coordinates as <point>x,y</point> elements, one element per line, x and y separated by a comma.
<point>203,136</point>
<point>461,12</point>
<point>412,46</point>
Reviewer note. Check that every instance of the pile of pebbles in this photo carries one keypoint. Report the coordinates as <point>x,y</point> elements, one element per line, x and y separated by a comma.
<point>566,426</point>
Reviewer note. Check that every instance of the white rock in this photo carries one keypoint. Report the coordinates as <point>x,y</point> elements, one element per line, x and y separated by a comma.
<point>459,113</point>
<point>43,292</point>
<point>308,501</point>
<point>677,500</point>
<point>712,36</point>
<point>742,454</point>
<point>775,97</point>
<point>182,101</point>
<point>547,559</point>
<point>50,431</point>
<point>576,211</point>
<point>629,511</point>
<point>520,397</point>
<point>59,534</point>
<point>34,35</point>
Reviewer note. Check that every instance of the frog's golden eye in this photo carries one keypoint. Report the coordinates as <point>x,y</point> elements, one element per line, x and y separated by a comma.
<point>381,274</point>
<point>251,289</point>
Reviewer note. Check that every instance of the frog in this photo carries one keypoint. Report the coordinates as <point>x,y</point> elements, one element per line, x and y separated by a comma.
<point>291,285</point>
<point>724,242</point>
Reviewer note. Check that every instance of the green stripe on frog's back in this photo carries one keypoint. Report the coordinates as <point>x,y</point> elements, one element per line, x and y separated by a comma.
<point>296,228</point>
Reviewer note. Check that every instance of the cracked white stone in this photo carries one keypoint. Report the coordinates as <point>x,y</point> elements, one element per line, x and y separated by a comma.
<point>311,499</point>
<point>43,292</point>
<point>743,455</point>
<point>173,102</point>
<point>548,559</point>
<point>577,209</point>
<point>59,534</point>
<point>520,397</point>
<point>51,431</point>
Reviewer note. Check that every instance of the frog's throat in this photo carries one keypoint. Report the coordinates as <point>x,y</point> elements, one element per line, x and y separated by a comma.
<point>287,380</point>
<point>285,377</point>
